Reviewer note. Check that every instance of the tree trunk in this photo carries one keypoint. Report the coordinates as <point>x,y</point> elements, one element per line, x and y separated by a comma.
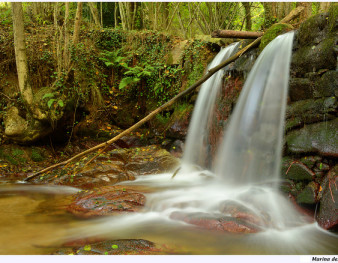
<point>236,34</point>
<point>21,62</point>
<point>77,25</point>
<point>20,53</point>
<point>269,14</point>
<point>324,6</point>
<point>307,12</point>
<point>95,13</point>
<point>248,24</point>
<point>66,55</point>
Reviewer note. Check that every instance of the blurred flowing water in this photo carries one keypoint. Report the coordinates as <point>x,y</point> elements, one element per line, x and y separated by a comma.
<point>246,172</point>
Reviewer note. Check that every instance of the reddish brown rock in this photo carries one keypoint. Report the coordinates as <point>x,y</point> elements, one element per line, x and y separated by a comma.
<point>216,222</point>
<point>105,201</point>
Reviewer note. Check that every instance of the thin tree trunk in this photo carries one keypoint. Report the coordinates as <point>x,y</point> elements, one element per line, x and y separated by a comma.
<point>20,53</point>
<point>22,63</point>
<point>101,14</point>
<point>56,11</point>
<point>292,15</point>
<point>248,24</point>
<point>324,6</point>
<point>153,113</point>
<point>66,55</point>
<point>95,13</point>
<point>77,25</point>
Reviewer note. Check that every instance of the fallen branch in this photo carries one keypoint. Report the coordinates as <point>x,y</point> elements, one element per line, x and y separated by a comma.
<point>292,15</point>
<point>153,113</point>
<point>236,34</point>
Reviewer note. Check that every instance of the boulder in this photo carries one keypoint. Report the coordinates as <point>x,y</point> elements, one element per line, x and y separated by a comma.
<point>315,138</point>
<point>106,201</point>
<point>327,216</point>
<point>299,172</point>
<point>300,89</point>
<point>309,195</point>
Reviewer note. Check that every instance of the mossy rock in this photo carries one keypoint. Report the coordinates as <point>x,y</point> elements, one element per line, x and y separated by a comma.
<point>310,111</point>
<point>309,194</point>
<point>333,16</point>
<point>313,56</point>
<point>312,30</point>
<point>315,138</point>
<point>273,32</point>
<point>327,85</point>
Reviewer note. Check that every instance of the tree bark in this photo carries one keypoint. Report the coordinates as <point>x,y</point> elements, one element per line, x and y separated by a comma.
<point>95,13</point>
<point>236,34</point>
<point>248,24</point>
<point>20,54</point>
<point>77,25</point>
<point>153,113</point>
<point>324,6</point>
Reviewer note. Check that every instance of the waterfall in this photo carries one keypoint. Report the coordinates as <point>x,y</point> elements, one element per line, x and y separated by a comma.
<point>196,146</point>
<point>252,146</point>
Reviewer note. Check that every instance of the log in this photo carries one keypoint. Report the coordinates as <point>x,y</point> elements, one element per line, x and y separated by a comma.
<point>236,34</point>
<point>292,15</point>
<point>153,113</point>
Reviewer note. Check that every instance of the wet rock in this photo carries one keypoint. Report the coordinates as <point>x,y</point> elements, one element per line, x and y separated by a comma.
<point>239,211</point>
<point>327,85</point>
<point>327,216</point>
<point>108,200</point>
<point>310,161</point>
<point>315,138</point>
<point>178,124</point>
<point>309,195</point>
<point>300,89</point>
<point>113,247</point>
<point>216,222</point>
<point>299,172</point>
<point>310,111</point>
<point>313,29</point>
<point>115,166</point>
<point>150,160</point>
<point>314,57</point>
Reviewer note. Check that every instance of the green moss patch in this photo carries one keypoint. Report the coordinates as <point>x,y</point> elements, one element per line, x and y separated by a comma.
<point>273,32</point>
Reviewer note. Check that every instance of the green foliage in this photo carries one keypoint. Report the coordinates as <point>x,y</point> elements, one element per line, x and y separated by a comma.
<point>36,155</point>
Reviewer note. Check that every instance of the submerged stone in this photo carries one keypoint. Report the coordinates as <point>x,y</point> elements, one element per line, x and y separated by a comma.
<point>216,222</point>
<point>105,201</point>
<point>113,247</point>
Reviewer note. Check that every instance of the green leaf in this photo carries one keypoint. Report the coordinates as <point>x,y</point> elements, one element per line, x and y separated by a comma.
<point>48,95</point>
<point>50,102</point>
<point>87,248</point>
<point>115,246</point>
<point>127,81</point>
<point>60,102</point>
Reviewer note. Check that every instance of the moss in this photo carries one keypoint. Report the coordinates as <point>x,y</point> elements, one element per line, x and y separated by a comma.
<point>36,155</point>
<point>333,15</point>
<point>273,32</point>
<point>308,195</point>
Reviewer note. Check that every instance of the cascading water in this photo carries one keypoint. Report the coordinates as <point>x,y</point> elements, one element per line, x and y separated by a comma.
<point>248,162</point>
<point>195,152</point>
<point>251,150</point>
